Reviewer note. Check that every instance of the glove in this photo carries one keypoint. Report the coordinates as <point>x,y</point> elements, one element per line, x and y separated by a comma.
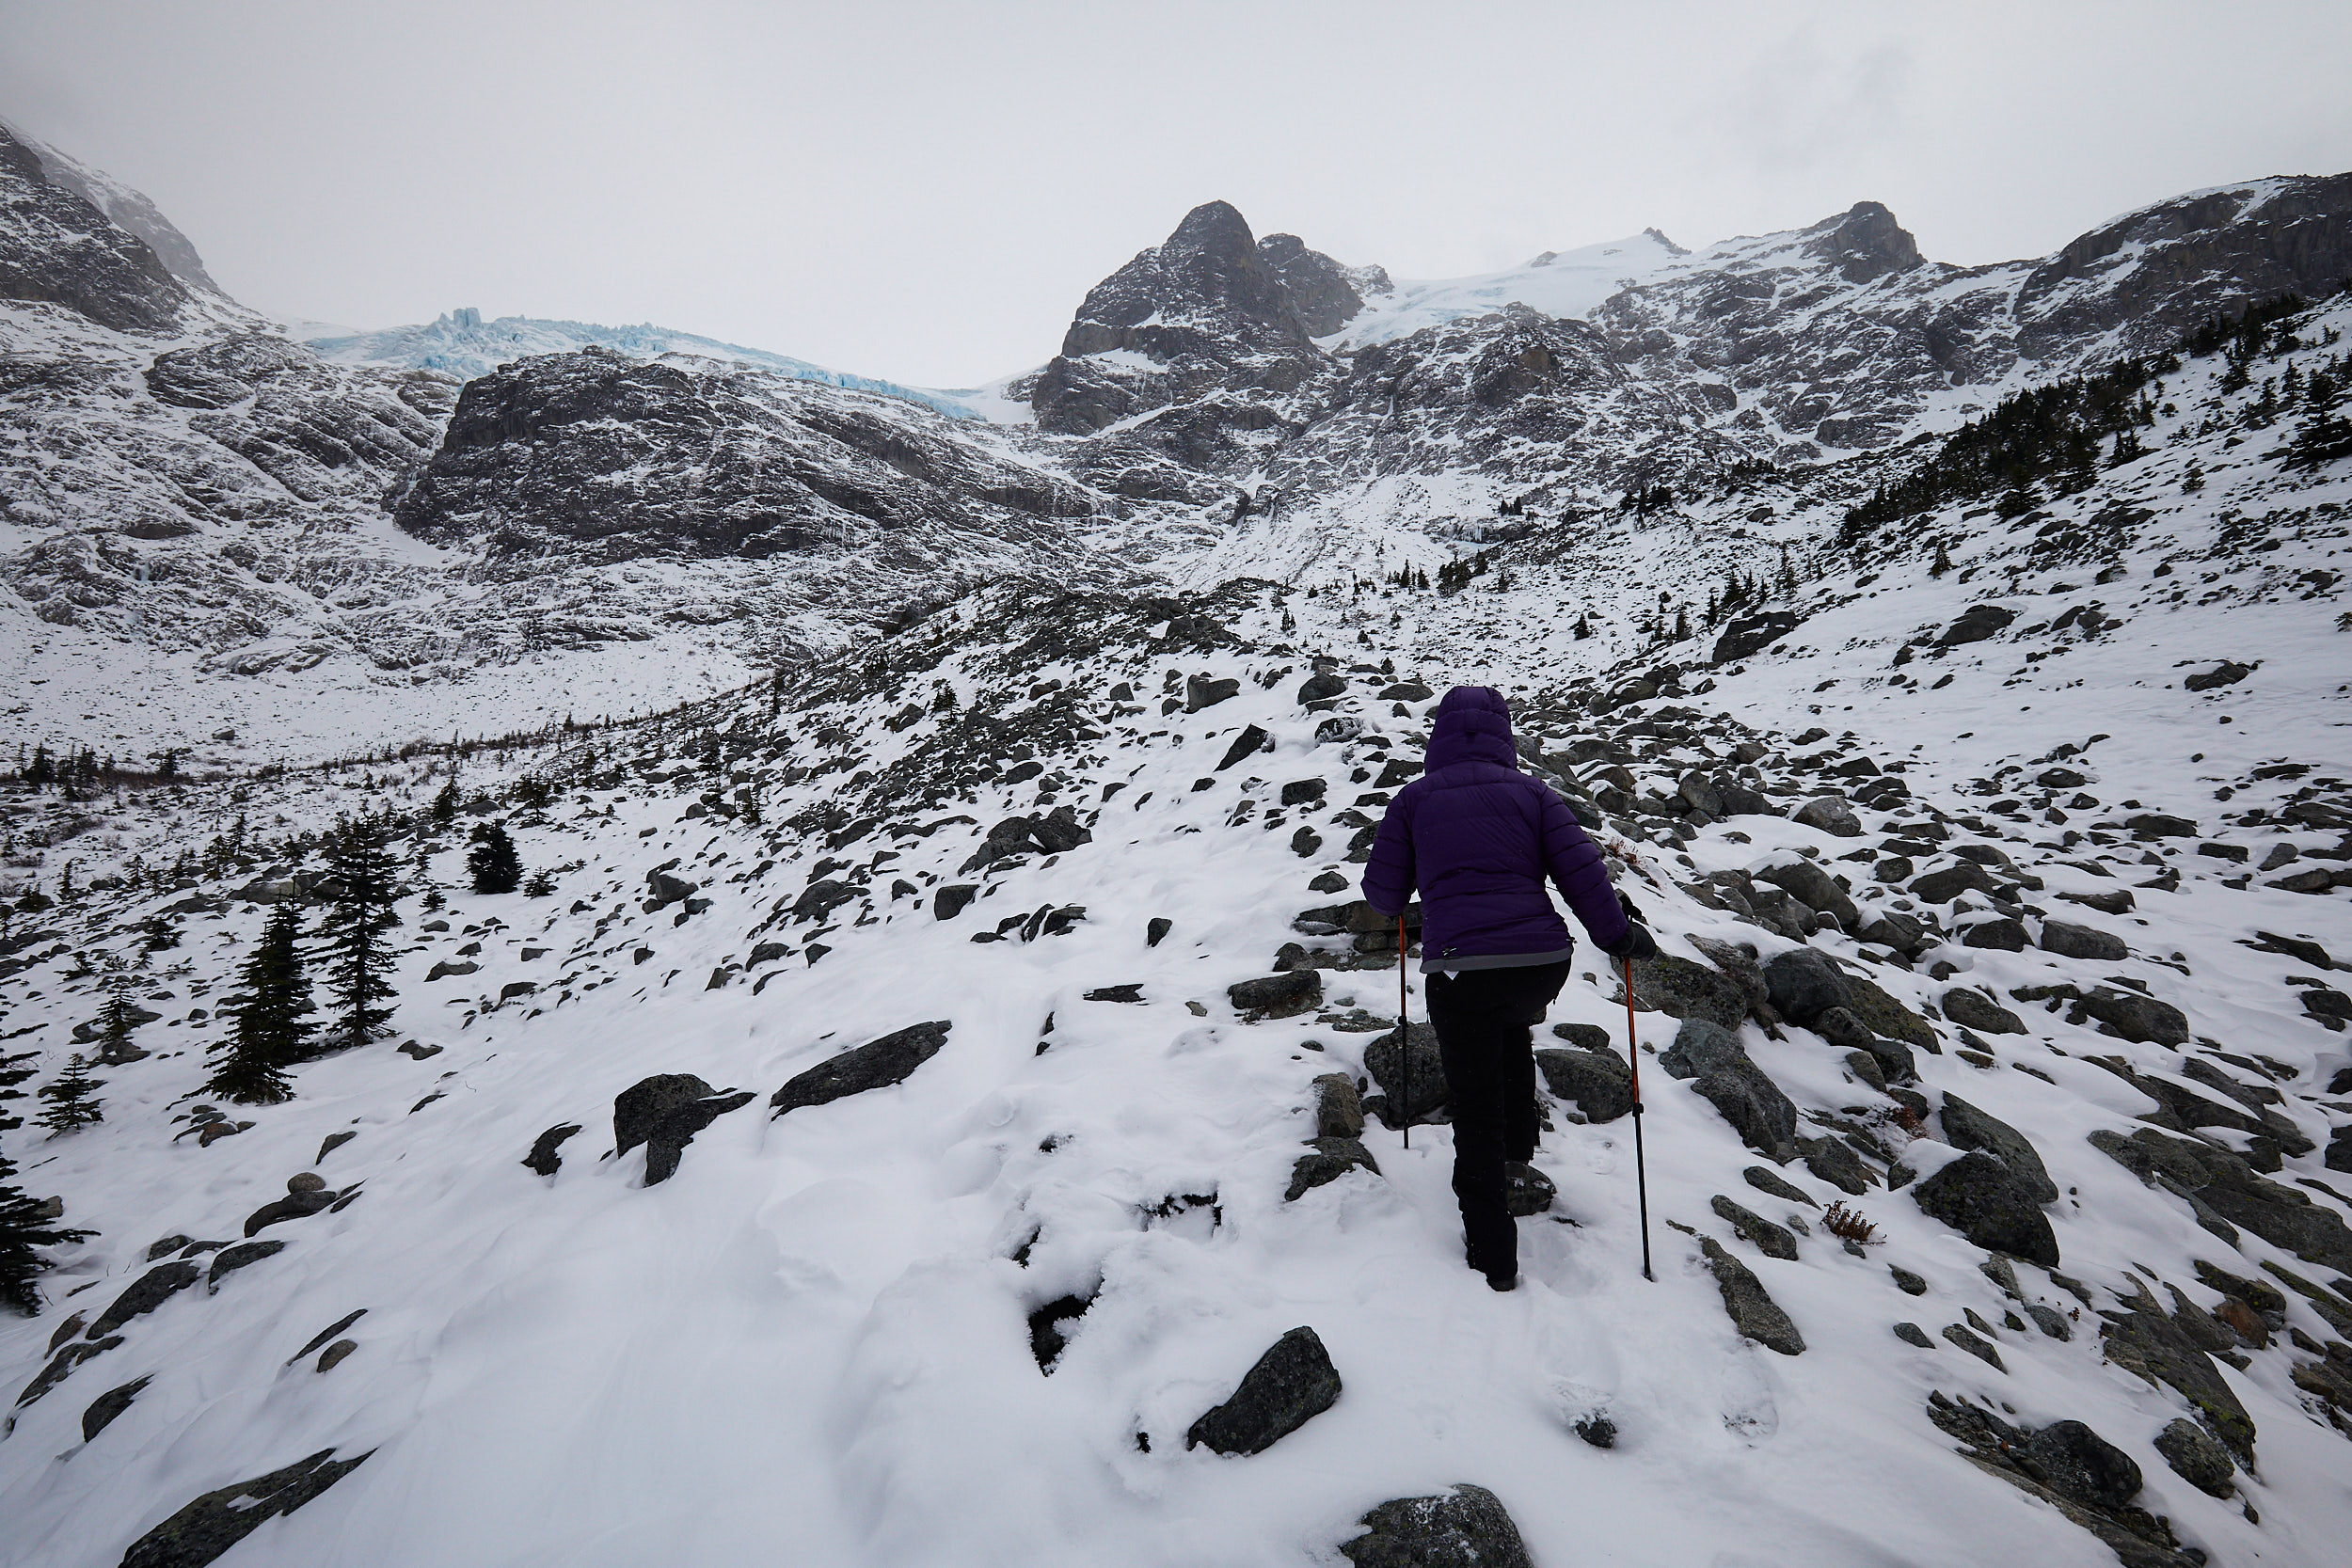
<point>1637,943</point>
<point>1632,911</point>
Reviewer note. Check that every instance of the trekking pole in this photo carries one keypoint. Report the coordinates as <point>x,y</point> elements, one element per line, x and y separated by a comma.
<point>1641,1170</point>
<point>1403,1036</point>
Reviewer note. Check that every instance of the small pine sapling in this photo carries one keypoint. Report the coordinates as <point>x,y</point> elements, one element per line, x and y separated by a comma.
<point>71,1099</point>
<point>269,1019</point>
<point>541,884</point>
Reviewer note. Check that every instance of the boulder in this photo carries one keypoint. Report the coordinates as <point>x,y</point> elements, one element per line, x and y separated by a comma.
<point>1248,743</point>
<point>1831,815</point>
<point>2144,1342</point>
<point>950,901</point>
<point>1597,1083</point>
<point>871,1065</point>
<point>1994,1207</point>
<point>1972,1009</point>
<point>1686,989</point>
<point>1292,1383</point>
<point>205,1529</point>
<point>543,1157</point>
<point>1773,1240</point>
<point>1332,1158</point>
<point>2076,1461</point>
<point>2196,1458</point>
<point>1942,887</point>
<point>1753,634</point>
<point>1969,1129</point>
<point>638,1108</point>
<point>2082,942</point>
<point>1205,691</point>
<point>1999,934</point>
<point>1321,688</point>
<point>106,1406</point>
<point>298,1203</point>
<point>1386,1062</point>
<point>2226,673</point>
<point>1748,1098</point>
<point>1834,1162</point>
<point>1528,1191</point>
<point>229,1259</point>
<point>149,1291</point>
<point>1338,1110</point>
<point>1277,995</point>
<point>1817,890</point>
<point>1805,983</point>
<point>1753,1311</point>
<point>1977,622</point>
<point>1302,792</point>
<point>2136,1016</point>
<point>1466,1527</point>
<point>1700,1047</point>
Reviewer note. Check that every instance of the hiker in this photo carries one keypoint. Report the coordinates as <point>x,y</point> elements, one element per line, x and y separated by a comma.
<point>1476,836</point>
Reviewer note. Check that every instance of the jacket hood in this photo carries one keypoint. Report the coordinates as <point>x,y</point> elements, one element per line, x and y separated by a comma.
<point>1474,725</point>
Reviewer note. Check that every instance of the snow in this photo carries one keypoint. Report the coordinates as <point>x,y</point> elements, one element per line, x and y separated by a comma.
<point>1570,285</point>
<point>462,344</point>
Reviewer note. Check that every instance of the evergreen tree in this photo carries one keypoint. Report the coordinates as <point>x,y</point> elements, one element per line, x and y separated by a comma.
<point>445,806</point>
<point>541,884</point>
<point>117,1021</point>
<point>1682,623</point>
<point>71,1099</point>
<point>1584,628</point>
<point>358,964</point>
<point>493,862</point>
<point>1943,562</point>
<point>22,1226</point>
<point>269,1019</point>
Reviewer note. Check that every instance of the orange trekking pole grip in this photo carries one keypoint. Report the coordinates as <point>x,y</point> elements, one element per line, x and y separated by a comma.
<point>1641,1171</point>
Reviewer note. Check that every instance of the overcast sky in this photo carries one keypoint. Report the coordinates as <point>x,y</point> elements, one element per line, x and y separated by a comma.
<point>925,191</point>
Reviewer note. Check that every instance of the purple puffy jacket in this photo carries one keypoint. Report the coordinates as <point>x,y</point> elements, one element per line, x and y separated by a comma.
<point>1477,836</point>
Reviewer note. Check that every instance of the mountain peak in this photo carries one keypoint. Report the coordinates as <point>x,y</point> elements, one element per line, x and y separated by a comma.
<point>1865,241</point>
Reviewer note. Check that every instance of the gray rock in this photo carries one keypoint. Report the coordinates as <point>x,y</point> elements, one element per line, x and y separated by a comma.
<point>1597,1083</point>
<point>1585,1036</point>
<point>2144,1342</point>
<point>334,1355</point>
<point>1321,688</point>
<point>1528,1191</point>
<point>2141,1018</point>
<point>1773,1240</point>
<point>1683,988</point>
<point>543,1157</point>
<point>149,1291</point>
<point>1976,1345</point>
<point>1832,1160</point>
<point>1994,1207</point>
<point>950,901</point>
<point>2196,1458</point>
<point>334,1141</point>
<point>638,1109</point>
<point>2156,824</point>
<point>2082,942</point>
<point>2226,673</point>
<point>1972,1009</point>
<point>1754,1312</point>
<point>871,1065</point>
<point>1332,1159</point>
<point>1306,841</point>
<point>1202,691</point>
<point>106,1406</point>
<point>1387,1064</point>
<point>1831,815</point>
<point>1764,1180</point>
<point>447,968</point>
<point>1805,983</point>
<point>1968,1128</point>
<point>209,1526</point>
<point>1753,634</point>
<point>1292,1383</point>
<point>1911,1334</point>
<point>228,1259</point>
<point>1339,1109</point>
<point>1942,887</point>
<point>1976,624</point>
<point>1302,792</point>
<point>1466,1527</point>
<point>1277,995</point>
<point>1999,934</point>
<point>1700,1047</point>
<point>2050,1321</point>
<point>1251,740</point>
<point>1907,1282</point>
<point>2076,1461</point>
<point>1817,890</point>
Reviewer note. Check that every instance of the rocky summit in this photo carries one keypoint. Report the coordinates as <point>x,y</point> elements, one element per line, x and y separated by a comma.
<point>925,829</point>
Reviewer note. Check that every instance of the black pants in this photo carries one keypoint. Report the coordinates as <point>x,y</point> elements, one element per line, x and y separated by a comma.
<point>1483,1018</point>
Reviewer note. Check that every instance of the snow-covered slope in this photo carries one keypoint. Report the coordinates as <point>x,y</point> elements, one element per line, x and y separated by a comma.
<point>460,344</point>
<point>1569,284</point>
<point>2086,914</point>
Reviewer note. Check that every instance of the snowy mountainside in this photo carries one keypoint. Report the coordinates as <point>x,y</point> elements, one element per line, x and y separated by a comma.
<point>126,209</point>
<point>1567,284</point>
<point>460,344</point>
<point>2055,803</point>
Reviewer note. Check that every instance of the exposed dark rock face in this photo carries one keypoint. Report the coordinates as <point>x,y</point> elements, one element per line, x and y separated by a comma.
<point>1388,1065</point>
<point>2084,1477</point>
<point>1597,1082</point>
<point>871,1065</point>
<point>1686,989</point>
<point>213,1523</point>
<point>1292,1383</point>
<point>1322,292</point>
<point>604,458</point>
<point>663,1112</point>
<point>1752,634</point>
<point>106,1406</point>
<point>1468,1528</point>
<point>149,1291</point>
<point>56,248</point>
<point>1332,1158</point>
<point>546,1155</point>
<point>1971,1128</point>
<point>1208,311</point>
